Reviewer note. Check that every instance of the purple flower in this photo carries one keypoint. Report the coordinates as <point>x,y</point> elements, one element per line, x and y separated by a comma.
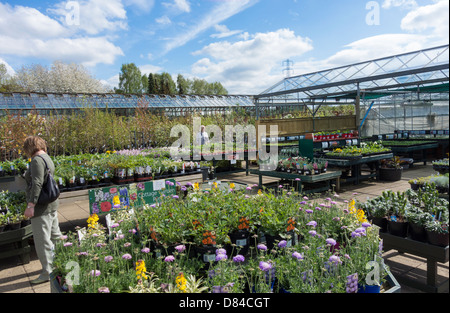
<point>262,247</point>
<point>175,197</point>
<point>365,225</point>
<point>221,251</point>
<point>103,290</point>
<point>281,186</point>
<point>303,202</point>
<point>132,231</point>
<point>297,255</point>
<point>334,259</point>
<point>312,233</point>
<point>169,258</point>
<point>331,241</point>
<point>221,257</point>
<point>282,244</point>
<point>126,256</point>
<point>180,248</point>
<point>95,273</point>
<point>312,223</point>
<point>355,234</point>
<point>249,188</point>
<point>305,198</point>
<point>108,258</point>
<point>145,250</point>
<point>297,179</point>
<point>115,225</point>
<point>265,266</point>
<point>238,258</point>
<point>308,211</point>
<point>318,209</point>
<point>68,244</point>
<point>360,230</point>
<point>352,283</point>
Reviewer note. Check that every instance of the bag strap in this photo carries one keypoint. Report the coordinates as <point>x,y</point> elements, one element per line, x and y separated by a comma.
<point>46,166</point>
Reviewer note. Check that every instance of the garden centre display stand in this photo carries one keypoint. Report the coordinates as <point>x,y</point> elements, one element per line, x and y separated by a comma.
<point>19,238</point>
<point>409,151</point>
<point>304,179</point>
<point>432,253</point>
<point>356,164</point>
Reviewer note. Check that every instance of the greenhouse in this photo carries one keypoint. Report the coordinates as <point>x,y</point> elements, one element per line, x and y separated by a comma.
<point>58,104</point>
<point>357,190</point>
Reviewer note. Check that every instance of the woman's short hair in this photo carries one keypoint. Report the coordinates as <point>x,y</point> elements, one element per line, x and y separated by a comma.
<point>33,144</point>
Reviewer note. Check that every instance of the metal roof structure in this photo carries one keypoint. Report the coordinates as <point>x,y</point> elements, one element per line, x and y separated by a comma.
<point>16,101</point>
<point>423,69</point>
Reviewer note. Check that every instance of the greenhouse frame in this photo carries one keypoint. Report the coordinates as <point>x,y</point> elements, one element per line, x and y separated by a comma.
<point>406,91</point>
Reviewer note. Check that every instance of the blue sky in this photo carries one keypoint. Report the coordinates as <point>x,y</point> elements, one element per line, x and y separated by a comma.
<point>241,43</point>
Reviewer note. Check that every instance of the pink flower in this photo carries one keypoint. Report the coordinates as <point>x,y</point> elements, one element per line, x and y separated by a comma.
<point>169,258</point>
<point>126,256</point>
<point>95,273</point>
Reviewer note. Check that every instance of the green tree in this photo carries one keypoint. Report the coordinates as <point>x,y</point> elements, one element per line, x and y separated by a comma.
<point>130,79</point>
<point>152,86</point>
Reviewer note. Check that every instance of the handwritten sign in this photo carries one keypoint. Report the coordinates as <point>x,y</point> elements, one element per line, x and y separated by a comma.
<point>123,197</point>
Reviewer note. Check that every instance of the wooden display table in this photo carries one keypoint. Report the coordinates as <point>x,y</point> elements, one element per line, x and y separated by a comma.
<point>304,179</point>
<point>409,151</point>
<point>432,253</point>
<point>19,238</point>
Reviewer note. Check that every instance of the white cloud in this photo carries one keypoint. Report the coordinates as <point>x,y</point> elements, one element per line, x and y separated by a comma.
<point>407,4</point>
<point>149,68</point>
<point>9,69</point>
<point>95,16</point>
<point>26,32</point>
<point>143,5</point>
<point>25,22</point>
<point>434,17</point>
<point>221,12</point>
<point>224,32</point>
<point>249,66</point>
<point>179,5</point>
<point>163,20</point>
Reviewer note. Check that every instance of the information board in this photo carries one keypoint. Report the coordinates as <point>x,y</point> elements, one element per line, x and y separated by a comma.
<point>123,197</point>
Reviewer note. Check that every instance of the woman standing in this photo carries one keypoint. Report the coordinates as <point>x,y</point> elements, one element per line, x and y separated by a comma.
<point>44,218</point>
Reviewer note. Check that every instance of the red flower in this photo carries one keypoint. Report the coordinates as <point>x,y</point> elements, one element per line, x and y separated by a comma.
<point>105,206</point>
<point>112,190</point>
<point>133,196</point>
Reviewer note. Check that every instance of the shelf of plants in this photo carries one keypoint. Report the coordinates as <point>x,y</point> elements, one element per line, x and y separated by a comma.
<point>224,239</point>
<point>14,227</point>
<point>414,222</point>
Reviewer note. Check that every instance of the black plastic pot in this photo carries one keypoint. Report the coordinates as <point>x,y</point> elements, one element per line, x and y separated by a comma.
<point>417,232</point>
<point>240,243</point>
<point>391,174</point>
<point>399,229</point>
<point>437,239</point>
<point>381,222</point>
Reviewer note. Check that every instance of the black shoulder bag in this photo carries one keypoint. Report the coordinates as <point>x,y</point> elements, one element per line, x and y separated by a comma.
<point>50,191</point>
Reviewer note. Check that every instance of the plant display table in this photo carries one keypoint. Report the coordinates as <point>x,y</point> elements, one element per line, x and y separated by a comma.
<point>356,163</point>
<point>409,150</point>
<point>433,254</point>
<point>19,238</point>
<point>304,179</point>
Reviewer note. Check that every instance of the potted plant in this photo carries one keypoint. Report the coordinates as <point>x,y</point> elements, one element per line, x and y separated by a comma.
<point>377,210</point>
<point>417,220</point>
<point>391,169</point>
<point>437,232</point>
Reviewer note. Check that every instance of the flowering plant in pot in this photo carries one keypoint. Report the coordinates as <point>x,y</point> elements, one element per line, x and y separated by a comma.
<point>437,232</point>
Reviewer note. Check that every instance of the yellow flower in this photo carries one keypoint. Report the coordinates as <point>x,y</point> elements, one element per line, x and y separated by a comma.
<point>196,186</point>
<point>92,221</point>
<point>260,192</point>
<point>232,185</point>
<point>181,282</point>
<point>141,269</point>
<point>215,184</point>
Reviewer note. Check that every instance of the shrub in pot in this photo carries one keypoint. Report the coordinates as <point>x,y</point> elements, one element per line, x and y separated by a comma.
<point>417,220</point>
<point>437,233</point>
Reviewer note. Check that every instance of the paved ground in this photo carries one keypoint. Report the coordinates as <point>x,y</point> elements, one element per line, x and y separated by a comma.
<point>15,277</point>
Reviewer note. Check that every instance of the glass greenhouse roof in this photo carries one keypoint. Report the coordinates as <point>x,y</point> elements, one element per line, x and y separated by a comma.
<point>49,101</point>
